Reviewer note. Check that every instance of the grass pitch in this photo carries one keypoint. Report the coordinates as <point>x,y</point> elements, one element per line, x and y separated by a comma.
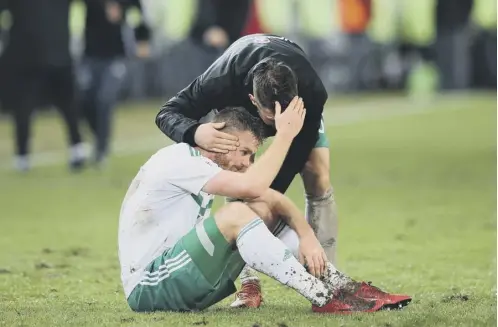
<point>416,189</point>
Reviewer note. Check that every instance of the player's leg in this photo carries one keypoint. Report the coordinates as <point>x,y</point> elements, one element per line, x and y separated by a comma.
<point>250,294</point>
<point>196,273</point>
<point>333,276</point>
<point>200,269</point>
<point>63,92</point>
<point>22,121</point>
<point>321,209</point>
<point>88,84</point>
<point>26,91</point>
<point>268,254</point>
<point>107,95</point>
<point>191,276</point>
<point>321,213</point>
<point>261,250</point>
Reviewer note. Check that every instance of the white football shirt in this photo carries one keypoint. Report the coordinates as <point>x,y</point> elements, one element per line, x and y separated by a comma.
<point>163,203</point>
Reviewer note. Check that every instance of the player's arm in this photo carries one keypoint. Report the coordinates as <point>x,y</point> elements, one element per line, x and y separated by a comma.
<point>182,112</point>
<point>283,207</point>
<point>280,206</point>
<point>179,117</point>
<point>257,179</point>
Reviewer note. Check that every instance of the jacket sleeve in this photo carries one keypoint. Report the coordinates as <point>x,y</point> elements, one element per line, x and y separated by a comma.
<point>304,142</point>
<point>179,117</point>
<point>297,156</point>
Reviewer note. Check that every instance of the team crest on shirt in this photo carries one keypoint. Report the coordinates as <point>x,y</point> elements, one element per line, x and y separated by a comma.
<point>261,40</point>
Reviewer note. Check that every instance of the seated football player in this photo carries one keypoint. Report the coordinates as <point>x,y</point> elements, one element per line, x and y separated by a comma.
<point>176,256</point>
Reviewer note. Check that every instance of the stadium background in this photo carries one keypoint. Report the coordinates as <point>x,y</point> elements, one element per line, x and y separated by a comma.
<point>412,162</point>
<point>394,46</point>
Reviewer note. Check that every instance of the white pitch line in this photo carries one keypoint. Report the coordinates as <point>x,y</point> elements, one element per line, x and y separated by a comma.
<point>348,115</point>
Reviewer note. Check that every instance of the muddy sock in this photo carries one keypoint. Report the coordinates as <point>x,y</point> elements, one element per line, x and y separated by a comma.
<point>267,254</point>
<point>321,214</point>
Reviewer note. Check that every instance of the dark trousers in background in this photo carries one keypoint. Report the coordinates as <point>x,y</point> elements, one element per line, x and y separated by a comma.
<point>484,60</point>
<point>29,88</point>
<point>453,58</point>
<point>100,85</point>
<point>361,73</point>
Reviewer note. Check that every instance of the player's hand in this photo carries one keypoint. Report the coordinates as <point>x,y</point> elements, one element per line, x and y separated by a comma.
<point>216,37</point>
<point>290,122</point>
<point>312,255</point>
<point>113,11</point>
<point>208,137</point>
<point>143,49</point>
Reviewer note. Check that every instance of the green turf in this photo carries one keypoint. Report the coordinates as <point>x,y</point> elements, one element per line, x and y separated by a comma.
<point>416,188</point>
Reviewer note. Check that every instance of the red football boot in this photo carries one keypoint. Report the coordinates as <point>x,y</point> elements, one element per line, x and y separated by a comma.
<point>249,296</point>
<point>347,303</point>
<point>391,301</point>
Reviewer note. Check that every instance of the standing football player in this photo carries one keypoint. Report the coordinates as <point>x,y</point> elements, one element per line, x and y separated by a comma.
<point>256,72</point>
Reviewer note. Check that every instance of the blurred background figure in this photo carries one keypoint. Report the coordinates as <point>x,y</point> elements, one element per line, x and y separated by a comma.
<point>37,69</point>
<point>355,17</point>
<point>109,40</point>
<point>483,53</point>
<point>418,48</point>
<point>218,23</point>
<point>453,46</point>
<point>197,32</point>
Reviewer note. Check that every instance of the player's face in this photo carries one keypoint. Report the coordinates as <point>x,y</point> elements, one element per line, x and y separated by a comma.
<point>241,158</point>
<point>266,114</point>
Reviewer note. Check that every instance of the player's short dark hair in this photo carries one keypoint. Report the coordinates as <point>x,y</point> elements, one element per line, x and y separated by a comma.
<point>239,119</point>
<point>273,81</point>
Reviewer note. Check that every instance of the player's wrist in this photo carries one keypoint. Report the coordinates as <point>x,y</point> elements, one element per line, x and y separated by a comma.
<point>284,137</point>
<point>305,232</point>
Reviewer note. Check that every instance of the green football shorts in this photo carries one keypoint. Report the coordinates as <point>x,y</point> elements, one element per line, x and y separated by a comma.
<point>196,273</point>
<point>323,141</point>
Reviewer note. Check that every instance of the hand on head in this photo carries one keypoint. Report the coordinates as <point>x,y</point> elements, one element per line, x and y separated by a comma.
<point>290,122</point>
<point>211,139</point>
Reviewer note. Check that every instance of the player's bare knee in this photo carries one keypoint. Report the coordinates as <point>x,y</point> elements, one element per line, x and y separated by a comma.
<point>232,217</point>
<point>316,179</point>
<point>263,210</point>
<point>316,172</point>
